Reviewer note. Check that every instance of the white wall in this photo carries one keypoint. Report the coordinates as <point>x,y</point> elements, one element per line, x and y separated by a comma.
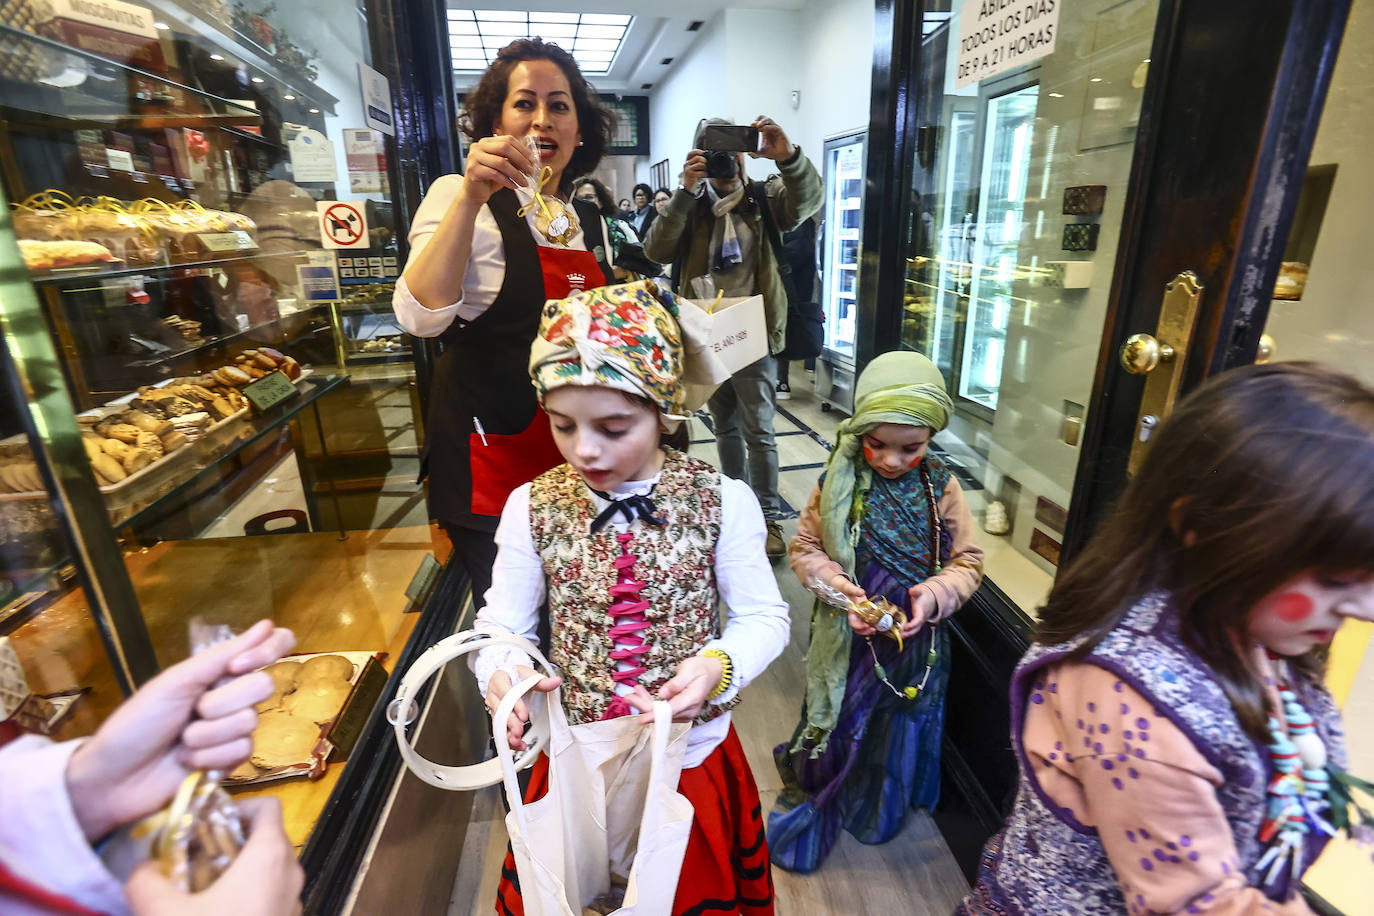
<point>747,62</point>
<point>834,62</point>
<point>697,81</point>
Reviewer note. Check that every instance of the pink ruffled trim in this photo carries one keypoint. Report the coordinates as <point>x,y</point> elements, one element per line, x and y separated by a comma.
<point>629,624</point>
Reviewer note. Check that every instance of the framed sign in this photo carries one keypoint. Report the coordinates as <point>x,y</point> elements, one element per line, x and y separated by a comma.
<point>631,136</point>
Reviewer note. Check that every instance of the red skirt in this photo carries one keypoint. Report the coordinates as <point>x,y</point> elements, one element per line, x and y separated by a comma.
<point>726,868</point>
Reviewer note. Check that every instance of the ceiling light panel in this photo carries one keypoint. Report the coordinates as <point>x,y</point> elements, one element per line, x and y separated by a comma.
<point>594,39</point>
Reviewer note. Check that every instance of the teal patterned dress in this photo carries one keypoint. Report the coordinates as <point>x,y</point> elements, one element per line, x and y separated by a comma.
<point>884,754</point>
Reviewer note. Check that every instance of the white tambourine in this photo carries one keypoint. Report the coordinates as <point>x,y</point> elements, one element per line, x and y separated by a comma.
<point>402,710</point>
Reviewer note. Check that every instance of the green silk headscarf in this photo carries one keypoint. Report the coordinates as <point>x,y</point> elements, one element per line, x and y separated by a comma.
<point>898,387</point>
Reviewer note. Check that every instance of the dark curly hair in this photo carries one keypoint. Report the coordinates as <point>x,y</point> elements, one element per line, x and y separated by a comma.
<point>604,202</point>
<point>482,107</point>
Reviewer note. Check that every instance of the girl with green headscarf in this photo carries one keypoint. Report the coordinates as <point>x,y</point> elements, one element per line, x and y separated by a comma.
<point>887,519</point>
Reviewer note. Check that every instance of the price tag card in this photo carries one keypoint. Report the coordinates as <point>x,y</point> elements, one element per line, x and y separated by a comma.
<point>272,388</point>
<point>237,240</point>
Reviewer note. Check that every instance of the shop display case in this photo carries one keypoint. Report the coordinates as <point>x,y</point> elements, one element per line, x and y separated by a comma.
<point>841,247</point>
<point>220,416</point>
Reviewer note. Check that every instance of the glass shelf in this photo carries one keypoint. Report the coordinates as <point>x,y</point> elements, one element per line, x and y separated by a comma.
<point>60,277</point>
<point>226,38</point>
<point>211,453</point>
<point>83,105</point>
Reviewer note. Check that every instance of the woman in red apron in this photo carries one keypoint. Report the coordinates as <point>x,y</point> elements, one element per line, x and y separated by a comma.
<point>488,248</point>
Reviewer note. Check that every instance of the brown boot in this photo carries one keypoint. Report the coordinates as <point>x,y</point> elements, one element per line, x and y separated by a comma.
<point>776,545</point>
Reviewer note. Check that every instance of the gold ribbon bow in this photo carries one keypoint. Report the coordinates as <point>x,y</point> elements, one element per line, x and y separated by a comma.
<point>555,222</point>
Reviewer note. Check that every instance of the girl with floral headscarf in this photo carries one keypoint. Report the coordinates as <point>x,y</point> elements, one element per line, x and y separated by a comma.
<point>887,520</point>
<point>634,545</point>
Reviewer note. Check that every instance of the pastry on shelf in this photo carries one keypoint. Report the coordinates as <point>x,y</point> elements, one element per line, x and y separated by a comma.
<point>50,255</point>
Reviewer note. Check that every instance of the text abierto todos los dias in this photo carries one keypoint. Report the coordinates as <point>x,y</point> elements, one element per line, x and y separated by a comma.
<point>996,35</point>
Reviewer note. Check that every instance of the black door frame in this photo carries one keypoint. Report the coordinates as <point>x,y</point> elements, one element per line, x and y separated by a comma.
<point>1227,123</point>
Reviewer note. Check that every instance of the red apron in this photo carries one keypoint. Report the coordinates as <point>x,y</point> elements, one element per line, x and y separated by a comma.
<point>500,463</point>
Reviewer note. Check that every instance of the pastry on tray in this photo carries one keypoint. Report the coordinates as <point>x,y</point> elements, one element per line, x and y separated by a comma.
<point>282,739</point>
<point>327,667</point>
<point>317,701</point>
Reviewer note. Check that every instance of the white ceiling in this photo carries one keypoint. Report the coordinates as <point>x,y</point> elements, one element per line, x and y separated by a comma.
<point>659,31</point>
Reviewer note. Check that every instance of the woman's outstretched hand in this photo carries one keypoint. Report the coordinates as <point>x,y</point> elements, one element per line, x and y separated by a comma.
<point>495,163</point>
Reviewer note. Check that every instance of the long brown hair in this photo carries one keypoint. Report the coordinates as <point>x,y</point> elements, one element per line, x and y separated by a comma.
<point>1263,474</point>
<point>482,106</point>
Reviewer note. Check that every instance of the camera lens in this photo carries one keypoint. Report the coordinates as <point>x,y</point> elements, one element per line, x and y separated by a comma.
<point>720,164</point>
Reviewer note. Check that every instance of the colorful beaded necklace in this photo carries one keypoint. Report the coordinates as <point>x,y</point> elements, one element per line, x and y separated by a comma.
<point>1306,793</point>
<point>912,691</point>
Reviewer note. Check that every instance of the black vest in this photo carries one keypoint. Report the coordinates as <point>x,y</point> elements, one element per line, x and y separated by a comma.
<point>483,371</point>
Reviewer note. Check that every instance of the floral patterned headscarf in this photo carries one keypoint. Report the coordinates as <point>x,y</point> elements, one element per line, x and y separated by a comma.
<point>633,337</point>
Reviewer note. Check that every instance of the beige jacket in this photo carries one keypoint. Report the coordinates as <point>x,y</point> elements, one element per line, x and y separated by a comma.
<point>792,197</point>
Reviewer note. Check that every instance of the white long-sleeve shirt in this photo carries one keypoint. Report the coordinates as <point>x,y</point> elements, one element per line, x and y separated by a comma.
<point>756,625</point>
<point>486,263</point>
<point>40,838</point>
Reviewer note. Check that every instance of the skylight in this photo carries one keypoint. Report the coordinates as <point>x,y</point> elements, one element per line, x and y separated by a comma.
<point>476,36</point>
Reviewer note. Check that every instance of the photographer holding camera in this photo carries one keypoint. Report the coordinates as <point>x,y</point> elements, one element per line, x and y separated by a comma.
<point>723,234</point>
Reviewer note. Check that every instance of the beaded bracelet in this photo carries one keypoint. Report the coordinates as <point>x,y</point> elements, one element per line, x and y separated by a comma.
<point>727,671</point>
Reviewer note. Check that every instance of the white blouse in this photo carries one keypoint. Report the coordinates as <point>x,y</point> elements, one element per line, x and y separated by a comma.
<point>486,263</point>
<point>757,625</point>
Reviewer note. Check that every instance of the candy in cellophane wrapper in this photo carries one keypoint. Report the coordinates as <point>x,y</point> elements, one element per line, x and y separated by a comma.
<point>879,613</point>
<point>199,834</point>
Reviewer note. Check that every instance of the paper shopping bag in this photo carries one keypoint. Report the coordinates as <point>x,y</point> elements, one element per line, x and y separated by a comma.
<point>736,335</point>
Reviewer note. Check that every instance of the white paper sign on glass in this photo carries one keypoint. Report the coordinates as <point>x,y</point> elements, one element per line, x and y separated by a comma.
<point>376,100</point>
<point>997,35</point>
<point>312,157</point>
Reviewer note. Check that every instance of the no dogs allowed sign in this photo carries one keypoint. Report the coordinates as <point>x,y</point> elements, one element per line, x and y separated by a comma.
<point>997,35</point>
<point>343,224</point>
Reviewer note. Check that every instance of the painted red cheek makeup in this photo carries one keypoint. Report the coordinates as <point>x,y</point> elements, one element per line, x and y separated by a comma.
<point>1293,607</point>
<point>869,454</point>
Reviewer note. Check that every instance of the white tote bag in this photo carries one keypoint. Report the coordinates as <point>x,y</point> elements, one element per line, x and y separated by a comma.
<point>612,806</point>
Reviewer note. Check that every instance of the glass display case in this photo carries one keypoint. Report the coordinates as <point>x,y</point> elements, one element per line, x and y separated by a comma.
<point>198,257</point>
<point>841,247</point>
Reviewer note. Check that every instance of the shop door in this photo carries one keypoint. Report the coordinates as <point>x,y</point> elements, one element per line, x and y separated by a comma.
<point>1086,177</point>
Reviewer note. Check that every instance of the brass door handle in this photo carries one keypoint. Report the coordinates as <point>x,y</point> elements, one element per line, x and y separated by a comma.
<point>1142,353</point>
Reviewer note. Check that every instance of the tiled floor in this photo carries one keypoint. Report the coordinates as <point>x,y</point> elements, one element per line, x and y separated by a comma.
<point>914,873</point>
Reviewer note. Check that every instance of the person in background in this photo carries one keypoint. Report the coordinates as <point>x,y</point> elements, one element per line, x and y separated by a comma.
<point>626,255</point>
<point>661,198</point>
<point>799,250</point>
<point>644,213</point>
<point>628,511</point>
<point>60,800</point>
<point>888,519</point>
<point>626,210</point>
<point>719,233</point>
<point>496,243</point>
<point>1177,747</point>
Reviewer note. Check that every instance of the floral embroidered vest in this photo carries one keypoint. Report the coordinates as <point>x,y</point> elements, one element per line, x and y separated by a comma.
<point>1045,860</point>
<point>675,561</point>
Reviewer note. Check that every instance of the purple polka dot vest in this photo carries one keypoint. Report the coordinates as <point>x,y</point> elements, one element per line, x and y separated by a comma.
<point>1045,860</point>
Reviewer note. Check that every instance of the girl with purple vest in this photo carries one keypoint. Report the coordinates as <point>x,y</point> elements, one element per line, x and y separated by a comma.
<point>634,545</point>
<point>1177,750</point>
